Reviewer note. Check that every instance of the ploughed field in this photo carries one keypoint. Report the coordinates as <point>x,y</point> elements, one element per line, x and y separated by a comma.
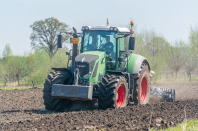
<point>23,110</point>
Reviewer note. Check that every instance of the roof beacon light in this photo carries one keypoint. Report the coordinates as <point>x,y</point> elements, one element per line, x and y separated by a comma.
<point>131,23</point>
<point>131,30</point>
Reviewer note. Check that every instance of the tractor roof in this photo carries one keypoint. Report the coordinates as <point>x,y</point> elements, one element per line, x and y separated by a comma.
<point>106,28</point>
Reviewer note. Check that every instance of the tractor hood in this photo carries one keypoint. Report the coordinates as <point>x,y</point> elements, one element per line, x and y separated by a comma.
<point>90,64</point>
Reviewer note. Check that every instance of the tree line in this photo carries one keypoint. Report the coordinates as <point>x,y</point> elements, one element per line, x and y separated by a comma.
<point>163,55</point>
<point>35,65</point>
<point>29,67</point>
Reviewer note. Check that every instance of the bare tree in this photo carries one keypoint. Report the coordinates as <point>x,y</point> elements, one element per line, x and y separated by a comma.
<point>193,39</point>
<point>175,56</point>
<point>7,52</point>
<point>5,80</point>
<point>190,60</point>
<point>152,46</point>
<point>16,65</point>
<point>44,35</point>
<point>6,66</point>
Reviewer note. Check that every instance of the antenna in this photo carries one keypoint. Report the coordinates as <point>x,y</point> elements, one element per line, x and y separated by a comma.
<point>107,22</point>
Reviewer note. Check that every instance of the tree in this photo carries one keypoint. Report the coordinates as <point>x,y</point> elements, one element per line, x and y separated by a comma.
<point>193,39</point>
<point>190,60</point>
<point>175,56</point>
<point>17,66</point>
<point>7,52</point>
<point>44,35</point>
<point>2,72</point>
<point>7,56</point>
<point>152,46</point>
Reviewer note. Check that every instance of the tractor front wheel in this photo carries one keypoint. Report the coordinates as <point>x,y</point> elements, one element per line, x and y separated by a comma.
<point>51,103</point>
<point>113,92</point>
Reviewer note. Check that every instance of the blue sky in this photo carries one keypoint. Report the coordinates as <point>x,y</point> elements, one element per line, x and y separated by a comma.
<point>170,18</point>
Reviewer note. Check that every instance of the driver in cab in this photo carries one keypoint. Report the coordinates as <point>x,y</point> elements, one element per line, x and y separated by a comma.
<point>108,46</point>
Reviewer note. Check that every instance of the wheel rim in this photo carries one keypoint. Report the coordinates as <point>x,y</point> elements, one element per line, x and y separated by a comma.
<point>120,96</point>
<point>143,89</point>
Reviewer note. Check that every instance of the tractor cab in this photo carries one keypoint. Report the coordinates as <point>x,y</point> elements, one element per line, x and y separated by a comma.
<point>113,41</point>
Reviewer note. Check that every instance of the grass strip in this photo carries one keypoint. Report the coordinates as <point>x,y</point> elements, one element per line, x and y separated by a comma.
<point>190,125</point>
<point>17,88</point>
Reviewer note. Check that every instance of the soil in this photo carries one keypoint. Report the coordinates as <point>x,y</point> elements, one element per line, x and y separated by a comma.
<point>23,110</point>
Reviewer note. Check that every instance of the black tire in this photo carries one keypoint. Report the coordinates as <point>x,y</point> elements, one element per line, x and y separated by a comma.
<point>51,103</point>
<point>113,92</point>
<point>142,83</point>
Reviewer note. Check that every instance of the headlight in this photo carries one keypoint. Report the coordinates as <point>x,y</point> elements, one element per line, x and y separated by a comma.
<point>115,29</point>
<point>86,28</point>
<point>111,28</point>
<point>87,75</point>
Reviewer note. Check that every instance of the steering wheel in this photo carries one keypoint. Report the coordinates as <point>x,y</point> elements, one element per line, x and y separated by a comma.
<point>102,47</point>
<point>88,47</point>
<point>109,57</point>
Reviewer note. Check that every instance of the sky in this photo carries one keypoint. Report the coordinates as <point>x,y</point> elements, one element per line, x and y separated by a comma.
<point>170,18</point>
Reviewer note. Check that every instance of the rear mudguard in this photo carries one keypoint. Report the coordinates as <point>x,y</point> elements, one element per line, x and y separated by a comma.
<point>134,63</point>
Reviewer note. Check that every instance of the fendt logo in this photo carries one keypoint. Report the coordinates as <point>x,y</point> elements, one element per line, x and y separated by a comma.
<point>81,65</point>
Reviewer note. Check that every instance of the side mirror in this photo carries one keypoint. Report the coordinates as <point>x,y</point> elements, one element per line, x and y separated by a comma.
<point>67,53</point>
<point>131,43</point>
<point>59,41</point>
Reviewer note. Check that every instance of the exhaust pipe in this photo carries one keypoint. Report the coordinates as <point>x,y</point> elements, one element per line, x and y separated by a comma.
<point>75,46</point>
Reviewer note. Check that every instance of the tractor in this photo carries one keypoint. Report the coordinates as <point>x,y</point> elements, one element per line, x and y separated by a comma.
<point>103,69</point>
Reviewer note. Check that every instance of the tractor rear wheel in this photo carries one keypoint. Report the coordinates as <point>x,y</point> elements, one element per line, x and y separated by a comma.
<point>142,86</point>
<point>113,92</point>
<point>51,103</point>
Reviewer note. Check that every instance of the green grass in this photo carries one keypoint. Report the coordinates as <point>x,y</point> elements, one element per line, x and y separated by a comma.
<point>190,125</point>
<point>2,84</point>
<point>17,88</point>
<point>21,82</point>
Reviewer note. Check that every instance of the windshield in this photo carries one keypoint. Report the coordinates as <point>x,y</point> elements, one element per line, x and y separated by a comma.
<point>101,40</point>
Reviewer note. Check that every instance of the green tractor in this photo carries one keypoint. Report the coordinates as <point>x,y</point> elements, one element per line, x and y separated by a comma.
<point>105,70</point>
